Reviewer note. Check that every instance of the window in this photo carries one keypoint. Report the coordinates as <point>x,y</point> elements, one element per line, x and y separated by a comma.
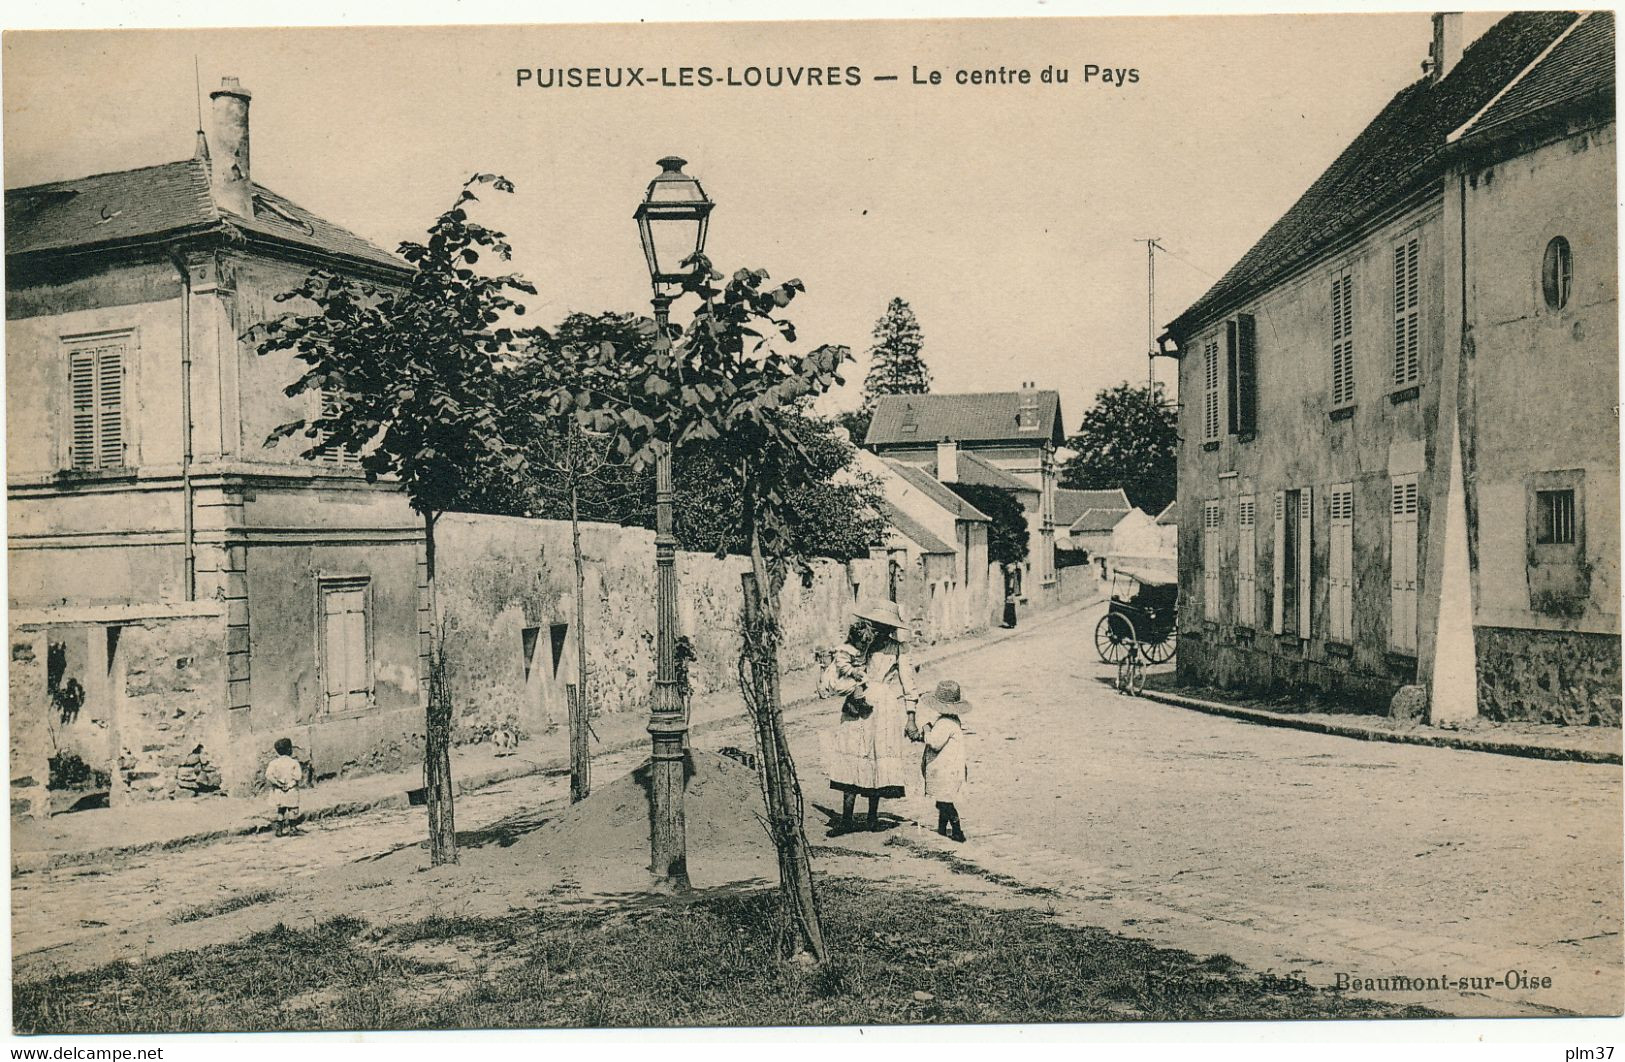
<point>1407,312</point>
<point>1342,339</point>
<point>1242,338</point>
<point>1340,571</point>
<point>337,457</point>
<point>1027,414</point>
<point>1557,273</point>
<point>1554,518</point>
<point>346,645</point>
<point>96,390</point>
<point>1292,553</point>
<point>1210,391</point>
<point>1402,565</point>
<point>1212,525</point>
<point>1246,558</point>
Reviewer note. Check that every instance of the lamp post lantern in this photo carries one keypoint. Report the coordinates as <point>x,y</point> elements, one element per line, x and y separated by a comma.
<point>672,222</point>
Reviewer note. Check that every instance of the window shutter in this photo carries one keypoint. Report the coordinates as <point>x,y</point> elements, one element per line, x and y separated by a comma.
<point>1247,371</point>
<point>1246,559</point>
<point>1342,340</point>
<point>1305,552</point>
<point>1232,357</point>
<point>1212,524</point>
<point>110,407</point>
<point>1402,564</point>
<point>1340,574</point>
<point>1210,419</point>
<point>1407,312</point>
<point>1278,605</point>
<point>82,388</point>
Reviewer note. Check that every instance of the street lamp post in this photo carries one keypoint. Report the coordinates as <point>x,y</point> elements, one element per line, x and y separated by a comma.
<point>672,222</point>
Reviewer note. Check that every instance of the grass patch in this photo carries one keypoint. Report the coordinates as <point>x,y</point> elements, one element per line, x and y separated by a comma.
<point>710,961</point>
<point>235,902</point>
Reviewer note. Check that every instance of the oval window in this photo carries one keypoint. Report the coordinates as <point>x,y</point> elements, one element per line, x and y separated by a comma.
<point>1556,273</point>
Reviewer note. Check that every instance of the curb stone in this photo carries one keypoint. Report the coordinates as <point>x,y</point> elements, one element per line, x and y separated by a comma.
<point>1398,737</point>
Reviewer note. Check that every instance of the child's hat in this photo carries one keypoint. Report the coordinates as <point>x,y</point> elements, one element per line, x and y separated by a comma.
<point>947,699</point>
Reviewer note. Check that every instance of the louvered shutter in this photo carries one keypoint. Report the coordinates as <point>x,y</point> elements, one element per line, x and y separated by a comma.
<point>1232,359</point>
<point>1212,524</point>
<point>1407,312</point>
<point>1340,572</point>
<point>1402,564</point>
<point>1342,340</point>
<point>96,396</point>
<point>110,407</point>
<point>1305,552</point>
<point>1246,560</point>
<point>1247,372</point>
<point>1210,418</point>
<point>1278,604</point>
<point>82,388</point>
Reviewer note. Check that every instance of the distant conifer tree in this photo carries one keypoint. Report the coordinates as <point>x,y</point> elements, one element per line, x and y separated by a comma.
<point>895,366</point>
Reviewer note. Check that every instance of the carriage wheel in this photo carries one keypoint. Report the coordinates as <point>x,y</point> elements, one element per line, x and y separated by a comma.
<point>1113,635</point>
<point>1163,651</point>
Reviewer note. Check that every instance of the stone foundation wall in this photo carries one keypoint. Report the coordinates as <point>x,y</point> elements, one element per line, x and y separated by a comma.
<point>1548,676</point>
<point>1257,669</point>
<point>170,728</point>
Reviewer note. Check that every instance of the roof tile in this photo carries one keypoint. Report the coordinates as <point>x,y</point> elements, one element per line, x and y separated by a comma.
<point>994,416</point>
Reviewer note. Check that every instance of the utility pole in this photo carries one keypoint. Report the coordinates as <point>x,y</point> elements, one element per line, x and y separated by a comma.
<point>1152,246</point>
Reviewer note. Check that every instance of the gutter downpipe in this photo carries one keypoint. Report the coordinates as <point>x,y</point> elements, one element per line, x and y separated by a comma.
<point>179,262</point>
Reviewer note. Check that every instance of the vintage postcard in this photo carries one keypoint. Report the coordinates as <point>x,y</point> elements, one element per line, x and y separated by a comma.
<point>897,522</point>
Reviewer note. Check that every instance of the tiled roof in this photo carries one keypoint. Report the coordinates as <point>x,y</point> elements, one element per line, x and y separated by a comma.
<point>1579,66</point>
<point>915,531</point>
<point>975,470</point>
<point>922,481</point>
<point>1398,154</point>
<point>1092,520</point>
<point>989,417</point>
<point>156,201</point>
<point>1071,504</point>
<point>1169,517</point>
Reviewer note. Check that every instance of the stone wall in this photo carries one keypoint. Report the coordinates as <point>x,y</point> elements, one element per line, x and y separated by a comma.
<point>1262,667</point>
<point>1566,677</point>
<point>507,597</point>
<point>172,713</point>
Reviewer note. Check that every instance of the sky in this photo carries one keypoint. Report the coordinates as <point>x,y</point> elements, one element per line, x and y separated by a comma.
<point>1007,215</point>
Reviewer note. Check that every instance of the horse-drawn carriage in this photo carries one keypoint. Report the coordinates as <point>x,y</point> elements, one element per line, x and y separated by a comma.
<point>1142,618</point>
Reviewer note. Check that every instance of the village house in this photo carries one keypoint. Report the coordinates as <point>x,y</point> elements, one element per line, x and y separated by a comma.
<point>1399,459</point>
<point>1005,439</point>
<point>1084,520</point>
<point>149,520</point>
<point>939,545</point>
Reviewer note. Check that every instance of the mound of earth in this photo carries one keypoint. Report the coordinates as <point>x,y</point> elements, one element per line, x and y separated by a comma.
<point>602,843</point>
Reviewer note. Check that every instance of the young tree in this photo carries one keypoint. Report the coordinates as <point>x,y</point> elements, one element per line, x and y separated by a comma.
<point>1007,539</point>
<point>1129,438</point>
<point>570,472</point>
<point>409,379</point>
<point>725,384</point>
<point>896,367</point>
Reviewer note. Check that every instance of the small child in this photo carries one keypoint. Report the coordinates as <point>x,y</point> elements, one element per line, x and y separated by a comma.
<point>946,773</point>
<point>282,777</point>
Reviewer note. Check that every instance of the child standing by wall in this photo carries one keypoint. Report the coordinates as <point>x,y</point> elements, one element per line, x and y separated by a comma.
<point>282,778</point>
<point>946,772</point>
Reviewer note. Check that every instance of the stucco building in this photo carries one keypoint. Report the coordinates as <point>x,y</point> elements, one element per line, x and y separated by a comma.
<point>1399,459</point>
<point>1005,439</point>
<point>201,591</point>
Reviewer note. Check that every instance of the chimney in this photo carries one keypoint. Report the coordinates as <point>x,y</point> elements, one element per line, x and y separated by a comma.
<point>228,159</point>
<point>1447,46</point>
<point>947,461</point>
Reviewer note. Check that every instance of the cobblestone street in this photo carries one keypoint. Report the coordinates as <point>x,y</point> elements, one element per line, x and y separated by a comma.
<point>1287,850</point>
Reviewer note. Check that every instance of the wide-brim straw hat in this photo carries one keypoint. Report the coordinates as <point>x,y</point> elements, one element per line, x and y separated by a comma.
<point>947,699</point>
<point>885,612</point>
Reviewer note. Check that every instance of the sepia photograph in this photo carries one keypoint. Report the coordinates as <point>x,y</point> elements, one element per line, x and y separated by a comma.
<point>1033,521</point>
